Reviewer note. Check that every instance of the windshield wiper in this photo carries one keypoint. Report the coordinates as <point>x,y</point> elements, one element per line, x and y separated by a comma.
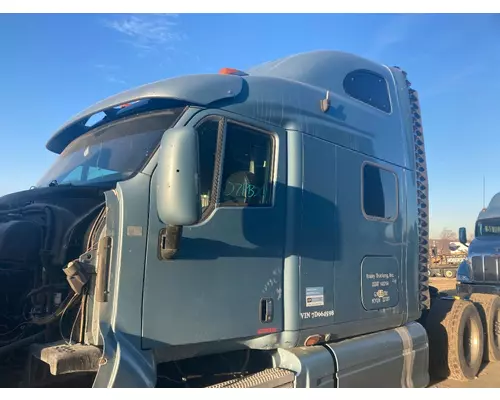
<point>55,183</point>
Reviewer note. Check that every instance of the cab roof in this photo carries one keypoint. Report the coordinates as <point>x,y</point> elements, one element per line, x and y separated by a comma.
<point>493,209</point>
<point>287,92</point>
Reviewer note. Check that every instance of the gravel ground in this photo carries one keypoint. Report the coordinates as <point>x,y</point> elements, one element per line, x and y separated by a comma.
<point>489,377</point>
<point>444,284</point>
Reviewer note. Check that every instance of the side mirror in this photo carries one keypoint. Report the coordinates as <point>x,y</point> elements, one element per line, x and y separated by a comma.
<point>462,235</point>
<point>177,189</point>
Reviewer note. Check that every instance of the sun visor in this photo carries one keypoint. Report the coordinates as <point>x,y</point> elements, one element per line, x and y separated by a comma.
<point>199,90</point>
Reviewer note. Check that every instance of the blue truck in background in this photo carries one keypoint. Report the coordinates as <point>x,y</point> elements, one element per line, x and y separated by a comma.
<point>478,276</point>
<point>258,228</point>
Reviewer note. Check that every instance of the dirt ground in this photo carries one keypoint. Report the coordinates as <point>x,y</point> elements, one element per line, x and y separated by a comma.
<point>489,377</point>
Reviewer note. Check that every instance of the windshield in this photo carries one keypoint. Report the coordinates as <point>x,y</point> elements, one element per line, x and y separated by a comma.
<point>113,152</point>
<point>488,227</point>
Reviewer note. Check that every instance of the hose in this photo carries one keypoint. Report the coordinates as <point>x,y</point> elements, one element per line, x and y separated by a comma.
<point>71,229</point>
<point>52,317</point>
<point>21,343</point>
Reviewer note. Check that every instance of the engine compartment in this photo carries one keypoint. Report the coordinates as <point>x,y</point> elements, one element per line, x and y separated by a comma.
<point>41,231</point>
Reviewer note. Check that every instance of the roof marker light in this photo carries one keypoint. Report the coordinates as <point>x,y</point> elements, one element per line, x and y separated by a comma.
<point>232,71</point>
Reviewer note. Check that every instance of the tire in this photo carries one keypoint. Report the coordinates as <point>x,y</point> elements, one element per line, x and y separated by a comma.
<point>456,341</point>
<point>450,273</point>
<point>488,306</point>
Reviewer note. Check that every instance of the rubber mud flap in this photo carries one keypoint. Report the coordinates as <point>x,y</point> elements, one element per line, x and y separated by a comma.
<point>433,291</point>
<point>488,306</point>
<point>456,341</point>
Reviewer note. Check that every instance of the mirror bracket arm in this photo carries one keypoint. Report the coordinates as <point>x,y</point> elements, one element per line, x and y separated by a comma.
<point>169,241</point>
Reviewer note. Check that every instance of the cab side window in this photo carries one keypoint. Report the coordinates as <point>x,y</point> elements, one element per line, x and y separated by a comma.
<point>247,167</point>
<point>380,193</point>
<point>368,87</point>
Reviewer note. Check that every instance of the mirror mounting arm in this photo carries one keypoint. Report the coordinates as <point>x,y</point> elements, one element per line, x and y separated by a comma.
<point>169,241</point>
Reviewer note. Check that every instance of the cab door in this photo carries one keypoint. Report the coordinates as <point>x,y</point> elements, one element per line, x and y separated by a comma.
<point>225,282</point>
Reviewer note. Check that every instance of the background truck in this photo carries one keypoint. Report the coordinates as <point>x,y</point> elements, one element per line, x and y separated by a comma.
<point>446,265</point>
<point>478,276</point>
<point>240,229</point>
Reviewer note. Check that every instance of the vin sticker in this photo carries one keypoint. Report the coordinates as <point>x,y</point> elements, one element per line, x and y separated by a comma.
<point>315,297</point>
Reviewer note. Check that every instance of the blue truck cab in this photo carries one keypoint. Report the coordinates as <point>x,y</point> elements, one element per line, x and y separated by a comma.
<point>479,272</point>
<point>266,227</point>
<point>478,275</point>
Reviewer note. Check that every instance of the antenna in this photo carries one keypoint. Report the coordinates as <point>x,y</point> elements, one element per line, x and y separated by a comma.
<point>484,191</point>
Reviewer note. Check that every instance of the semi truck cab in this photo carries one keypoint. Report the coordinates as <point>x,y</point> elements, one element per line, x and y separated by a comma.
<point>479,272</point>
<point>254,228</point>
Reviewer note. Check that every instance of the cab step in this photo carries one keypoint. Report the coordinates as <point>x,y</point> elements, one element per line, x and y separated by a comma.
<point>64,358</point>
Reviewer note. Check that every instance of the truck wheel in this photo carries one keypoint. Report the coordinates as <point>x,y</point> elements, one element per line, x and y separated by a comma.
<point>488,306</point>
<point>449,273</point>
<point>455,340</point>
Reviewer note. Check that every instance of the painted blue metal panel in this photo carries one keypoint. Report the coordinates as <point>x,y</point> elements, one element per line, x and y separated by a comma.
<point>211,290</point>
